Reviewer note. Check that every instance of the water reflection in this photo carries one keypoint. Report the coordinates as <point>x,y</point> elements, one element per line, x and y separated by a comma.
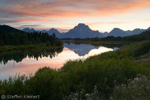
<point>19,56</point>
<point>80,49</point>
<point>24,63</point>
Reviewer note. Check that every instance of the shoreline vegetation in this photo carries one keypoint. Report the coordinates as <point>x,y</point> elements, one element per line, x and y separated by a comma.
<point>27,48</point>
<point>85,41</point>
<point>16,44</point>
<point>98,43</point>
<point>115,75</point>
<point>18,53</point>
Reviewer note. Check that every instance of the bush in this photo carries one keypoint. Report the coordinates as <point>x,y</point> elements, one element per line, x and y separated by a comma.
<point>95,95</point>
<point>137,89</point>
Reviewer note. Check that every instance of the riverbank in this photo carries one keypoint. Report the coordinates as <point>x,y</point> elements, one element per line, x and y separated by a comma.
<point>111,73</point>
<point>98,43</point>
<point>27,48</point>
<point>18,53</point>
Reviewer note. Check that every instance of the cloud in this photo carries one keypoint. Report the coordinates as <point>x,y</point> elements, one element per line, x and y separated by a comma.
<point>5,21</point>
<point>24,11</point>
<point>29,25</point>
<point>71,8</point>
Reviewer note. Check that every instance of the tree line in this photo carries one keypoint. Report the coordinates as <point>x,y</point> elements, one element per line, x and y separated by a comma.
<point>22,38</point>
<point>139,37</point>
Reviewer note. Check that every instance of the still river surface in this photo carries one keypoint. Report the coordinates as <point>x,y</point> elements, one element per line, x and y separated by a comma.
<point>28,64</point>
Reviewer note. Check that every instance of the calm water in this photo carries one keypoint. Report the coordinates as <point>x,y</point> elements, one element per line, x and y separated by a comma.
<point>29,63</point>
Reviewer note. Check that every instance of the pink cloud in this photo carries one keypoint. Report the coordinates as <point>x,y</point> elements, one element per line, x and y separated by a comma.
<point>38,11</point>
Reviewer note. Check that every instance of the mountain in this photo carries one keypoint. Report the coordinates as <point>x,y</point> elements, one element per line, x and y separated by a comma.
<point>148,29</point>
<point>29,30</point>
<point>117,32</point>
<point>44,31</point>
<point>9,29</point>
<point>57,33</point>
<point>138,37</point>
<point>82,31</point>
<point>105,34</point>
<point>135,31</point>
<point>50,32</point>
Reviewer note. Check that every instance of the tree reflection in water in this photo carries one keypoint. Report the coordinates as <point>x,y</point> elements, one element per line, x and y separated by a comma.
<point>19,56</point>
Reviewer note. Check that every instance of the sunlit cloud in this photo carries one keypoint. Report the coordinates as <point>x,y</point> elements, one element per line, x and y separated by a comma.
<point>60,11</point>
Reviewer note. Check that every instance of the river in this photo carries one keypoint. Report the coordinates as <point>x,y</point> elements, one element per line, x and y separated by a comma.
<point>19,64</point>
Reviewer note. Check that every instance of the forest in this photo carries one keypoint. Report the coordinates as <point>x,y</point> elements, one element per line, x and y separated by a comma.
<point>12,36</point>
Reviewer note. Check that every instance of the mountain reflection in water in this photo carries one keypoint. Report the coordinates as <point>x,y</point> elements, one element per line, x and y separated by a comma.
<point>27,63</point>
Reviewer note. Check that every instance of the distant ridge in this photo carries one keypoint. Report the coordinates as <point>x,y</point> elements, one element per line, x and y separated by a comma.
<point>83,31</point>
<point>117,32</point>
<point>29,30</point>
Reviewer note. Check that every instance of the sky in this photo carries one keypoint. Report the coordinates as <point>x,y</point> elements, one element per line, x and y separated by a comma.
<point>102,15</point>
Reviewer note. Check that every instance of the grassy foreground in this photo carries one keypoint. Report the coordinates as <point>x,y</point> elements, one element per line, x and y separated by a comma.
<point>114,75</point>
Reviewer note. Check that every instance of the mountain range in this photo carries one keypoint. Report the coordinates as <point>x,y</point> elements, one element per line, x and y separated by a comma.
<point>84,31</point>
<point>118,32</point>
<point>29,30</point>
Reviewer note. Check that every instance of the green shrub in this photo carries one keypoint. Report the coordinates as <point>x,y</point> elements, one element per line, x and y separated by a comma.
<point>137,89</point>
<point>95,95</point>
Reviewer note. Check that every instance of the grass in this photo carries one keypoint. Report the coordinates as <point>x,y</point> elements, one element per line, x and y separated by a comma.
<point>106,71</point>
<point>26,48</point>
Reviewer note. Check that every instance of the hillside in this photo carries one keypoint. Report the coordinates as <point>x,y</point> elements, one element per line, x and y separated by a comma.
<point>9,29</point>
